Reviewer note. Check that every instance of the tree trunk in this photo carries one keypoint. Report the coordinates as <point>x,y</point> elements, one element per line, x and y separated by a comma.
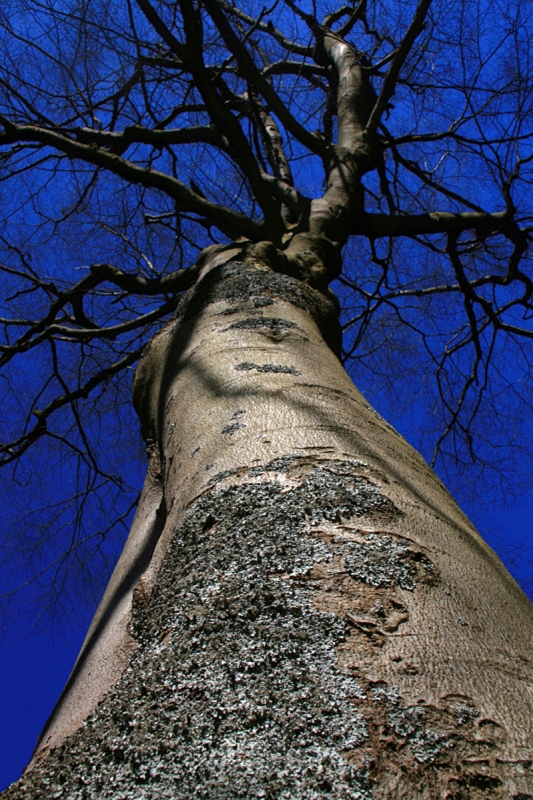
<point>301,610</point>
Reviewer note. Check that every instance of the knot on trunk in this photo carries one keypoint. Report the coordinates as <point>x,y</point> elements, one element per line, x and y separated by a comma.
<point>312,258</point>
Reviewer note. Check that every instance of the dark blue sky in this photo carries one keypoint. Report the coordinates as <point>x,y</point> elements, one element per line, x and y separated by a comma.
<point>34,665</point>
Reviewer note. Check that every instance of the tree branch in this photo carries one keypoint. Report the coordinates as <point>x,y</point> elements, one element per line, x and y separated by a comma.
<point>233,223</point>
<point>313,143</point>
<point>389,84</point>
<point>377,225</point>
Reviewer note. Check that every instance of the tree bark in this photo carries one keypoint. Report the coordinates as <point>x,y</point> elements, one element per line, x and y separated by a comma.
<point>301,609</point>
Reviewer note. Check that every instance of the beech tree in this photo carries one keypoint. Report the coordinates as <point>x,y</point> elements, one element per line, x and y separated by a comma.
<point>300,610</point>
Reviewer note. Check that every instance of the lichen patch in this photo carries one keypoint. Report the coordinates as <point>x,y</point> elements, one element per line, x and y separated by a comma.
<point>259,323</point>
<point>248,366</point>
<point>384,560</point>
<point>235,423</point>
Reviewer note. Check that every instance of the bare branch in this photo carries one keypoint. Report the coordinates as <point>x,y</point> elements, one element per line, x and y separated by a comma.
<point>389,84</point>
<point>435,222</point>
<point>12,451</point>
<point>246,62</point>
<point>230,222</point>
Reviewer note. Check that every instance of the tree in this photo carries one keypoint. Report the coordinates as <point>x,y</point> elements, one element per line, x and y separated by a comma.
<point>300,609</point>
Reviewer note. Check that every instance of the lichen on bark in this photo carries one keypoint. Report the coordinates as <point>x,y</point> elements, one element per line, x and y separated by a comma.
<point>237,688</point>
